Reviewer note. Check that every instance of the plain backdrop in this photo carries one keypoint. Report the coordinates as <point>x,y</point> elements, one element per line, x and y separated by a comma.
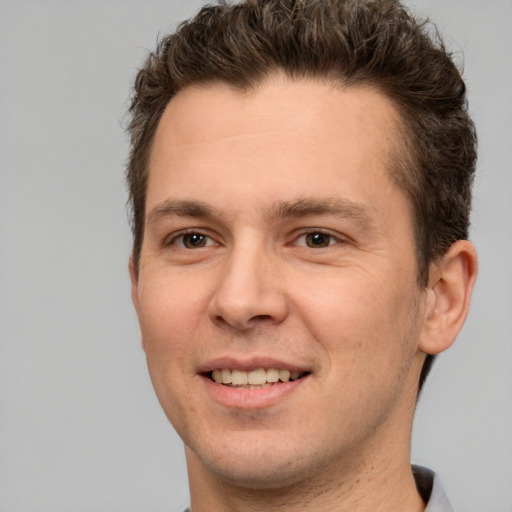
<point>80,427</point>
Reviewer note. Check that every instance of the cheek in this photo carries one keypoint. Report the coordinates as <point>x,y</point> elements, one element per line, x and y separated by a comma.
<point>167,321</point>
<point>368,335</point>
<point>359,317</point>
<point>170,308</point>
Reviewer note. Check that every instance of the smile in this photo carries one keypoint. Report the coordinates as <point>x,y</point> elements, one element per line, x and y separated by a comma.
<point>257,378</point>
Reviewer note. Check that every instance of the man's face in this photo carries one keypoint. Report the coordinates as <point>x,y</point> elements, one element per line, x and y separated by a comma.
<point>276,239</point>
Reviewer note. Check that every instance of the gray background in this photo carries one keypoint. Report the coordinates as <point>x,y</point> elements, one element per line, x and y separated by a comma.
<point>80,428</point>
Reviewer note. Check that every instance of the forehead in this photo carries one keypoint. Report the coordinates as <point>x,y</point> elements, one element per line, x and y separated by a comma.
<point>293,106</point>
<point>294,135</point>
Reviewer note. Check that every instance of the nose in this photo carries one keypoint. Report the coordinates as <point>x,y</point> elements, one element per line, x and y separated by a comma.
<point>249,292</point>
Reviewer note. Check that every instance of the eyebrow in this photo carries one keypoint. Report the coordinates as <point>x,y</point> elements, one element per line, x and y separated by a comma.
<point>336,206</point>
<point>180,208</point>
<point>301,207</point>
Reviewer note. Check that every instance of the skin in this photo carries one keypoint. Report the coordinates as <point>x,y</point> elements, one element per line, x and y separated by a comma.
<point>258,178</point>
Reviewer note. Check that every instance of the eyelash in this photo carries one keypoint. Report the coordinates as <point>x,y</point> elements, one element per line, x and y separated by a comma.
<point>333,239</point>
<point>178,239</point>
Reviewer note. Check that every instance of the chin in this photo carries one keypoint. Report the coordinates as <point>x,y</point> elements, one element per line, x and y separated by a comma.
<point>270,475</point>
<point>256,465</point>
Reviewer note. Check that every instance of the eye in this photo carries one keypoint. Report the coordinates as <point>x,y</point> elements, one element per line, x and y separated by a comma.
<point>317,240</point>
<point>192,240</point>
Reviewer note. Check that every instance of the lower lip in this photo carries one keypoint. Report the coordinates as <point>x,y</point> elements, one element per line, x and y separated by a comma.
<point>259,398</point>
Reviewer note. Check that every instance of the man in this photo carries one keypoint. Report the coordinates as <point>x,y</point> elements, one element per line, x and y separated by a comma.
<point>300,179</point>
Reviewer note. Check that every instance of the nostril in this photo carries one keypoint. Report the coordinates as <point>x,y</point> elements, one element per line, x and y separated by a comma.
<point>242,324</point>
<point>260,317</point>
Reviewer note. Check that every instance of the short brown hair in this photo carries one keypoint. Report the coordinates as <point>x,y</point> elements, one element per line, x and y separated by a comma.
<point>374,43</point>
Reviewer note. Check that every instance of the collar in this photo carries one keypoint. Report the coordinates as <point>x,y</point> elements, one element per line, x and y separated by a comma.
<point>431,490</point>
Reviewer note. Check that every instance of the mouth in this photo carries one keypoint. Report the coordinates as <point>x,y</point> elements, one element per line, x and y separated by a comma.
<point>254,379</point>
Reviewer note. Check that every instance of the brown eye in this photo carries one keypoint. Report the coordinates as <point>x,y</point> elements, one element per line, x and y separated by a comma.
<point>318,240</point>
<point>194,240</point>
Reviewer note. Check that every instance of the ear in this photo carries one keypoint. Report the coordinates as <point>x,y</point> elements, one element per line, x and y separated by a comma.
<point>449,295</point>
<point>134,278</point>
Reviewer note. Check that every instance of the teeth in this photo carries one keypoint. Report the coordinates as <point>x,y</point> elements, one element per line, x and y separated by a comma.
<point>257,377</point>
<point>284,375</point>
<point>226,377</point>
<point>254,378</point>
<point>273,375</point>
<point>238,377</point>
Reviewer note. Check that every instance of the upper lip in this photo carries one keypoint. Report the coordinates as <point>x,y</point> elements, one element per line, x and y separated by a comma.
<point>249,364</point>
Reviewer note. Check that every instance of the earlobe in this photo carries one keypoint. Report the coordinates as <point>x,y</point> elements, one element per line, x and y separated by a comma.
<point>448,297</point>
